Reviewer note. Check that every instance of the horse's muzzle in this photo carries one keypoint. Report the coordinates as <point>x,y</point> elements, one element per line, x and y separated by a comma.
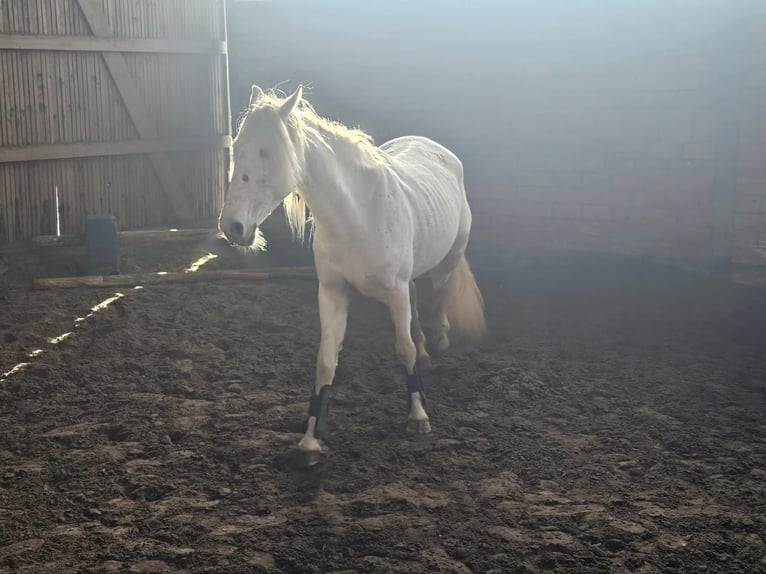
<point>236,233</point>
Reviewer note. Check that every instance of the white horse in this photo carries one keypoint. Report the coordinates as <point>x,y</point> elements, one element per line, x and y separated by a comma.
<point>383,216</point>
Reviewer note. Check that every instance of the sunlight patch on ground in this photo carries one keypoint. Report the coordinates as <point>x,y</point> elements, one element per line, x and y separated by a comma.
<point>95,309</point>
<point>14,370</point>
<point>195,266</point>
<point>200,262</point>
<point>106,302</point>
<point>64,336</point>
<point>57,340</point>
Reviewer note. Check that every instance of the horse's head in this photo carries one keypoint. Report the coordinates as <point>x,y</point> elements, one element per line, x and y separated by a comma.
<point>267,165</point>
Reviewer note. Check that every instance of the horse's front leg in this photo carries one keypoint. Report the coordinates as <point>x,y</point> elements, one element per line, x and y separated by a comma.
<point>333,311</point>
<point>401,314</point>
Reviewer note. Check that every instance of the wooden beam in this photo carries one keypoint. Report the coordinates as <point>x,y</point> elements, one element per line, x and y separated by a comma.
<point>134,280</point>
<point>109,44</point>
<point>101,149</point>
<point>206,230</point>
<point>137,110</point>
<point>229,158</point>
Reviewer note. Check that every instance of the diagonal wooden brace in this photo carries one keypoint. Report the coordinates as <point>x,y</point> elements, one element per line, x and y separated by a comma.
<point>139,115</point>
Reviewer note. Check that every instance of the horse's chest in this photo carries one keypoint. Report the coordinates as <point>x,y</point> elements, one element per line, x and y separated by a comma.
<point>371,286</point>
<point>372,275</point>
<point>372,272</point>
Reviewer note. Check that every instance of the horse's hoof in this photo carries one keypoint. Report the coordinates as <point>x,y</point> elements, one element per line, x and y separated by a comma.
<point>309,444</point>
<point>311,458</point>
<point>298,459</point>
<point>418,427</point>
<point>441,344</point>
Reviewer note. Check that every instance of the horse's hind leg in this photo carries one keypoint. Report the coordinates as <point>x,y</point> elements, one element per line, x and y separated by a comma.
<point>423,360</point>
<point>440,277</point>
<point>401,314</point>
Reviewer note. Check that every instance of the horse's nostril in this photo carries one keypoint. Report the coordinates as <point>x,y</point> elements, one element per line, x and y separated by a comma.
<point>237,229</point>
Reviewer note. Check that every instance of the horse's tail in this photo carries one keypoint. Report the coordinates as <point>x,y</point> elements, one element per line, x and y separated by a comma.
<point>464,305</point>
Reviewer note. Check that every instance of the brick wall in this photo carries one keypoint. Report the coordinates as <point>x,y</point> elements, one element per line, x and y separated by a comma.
<point>653,146</point>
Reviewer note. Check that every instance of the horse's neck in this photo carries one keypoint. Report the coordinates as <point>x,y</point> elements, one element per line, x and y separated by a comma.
<point>333,190</point>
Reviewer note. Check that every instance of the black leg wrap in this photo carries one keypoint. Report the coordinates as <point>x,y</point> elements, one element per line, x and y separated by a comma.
<point>319,407</point>
<point>415,385</point>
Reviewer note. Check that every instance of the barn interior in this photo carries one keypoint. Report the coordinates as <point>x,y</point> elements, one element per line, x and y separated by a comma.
<point>615,165</point>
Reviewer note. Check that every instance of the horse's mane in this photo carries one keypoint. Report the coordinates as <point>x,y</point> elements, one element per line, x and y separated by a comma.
<point>310,126</point>
<point>305,118</point>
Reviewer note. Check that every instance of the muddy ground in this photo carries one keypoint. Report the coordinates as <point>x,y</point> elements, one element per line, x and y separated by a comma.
<point>614,422</point>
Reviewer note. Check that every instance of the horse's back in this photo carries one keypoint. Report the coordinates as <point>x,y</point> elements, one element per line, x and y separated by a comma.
<point>422,151</point>
<point>431,179</point>
<point>426,167</point>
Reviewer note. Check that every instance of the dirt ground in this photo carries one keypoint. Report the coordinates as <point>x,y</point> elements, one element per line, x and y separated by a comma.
<point>614,422</point>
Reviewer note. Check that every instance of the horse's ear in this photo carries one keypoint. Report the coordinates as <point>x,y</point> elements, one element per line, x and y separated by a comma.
<point>289,104</point>
<point>256,93</point>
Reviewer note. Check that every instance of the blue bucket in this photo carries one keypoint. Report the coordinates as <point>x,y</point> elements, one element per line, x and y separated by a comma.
<point>101,242</point>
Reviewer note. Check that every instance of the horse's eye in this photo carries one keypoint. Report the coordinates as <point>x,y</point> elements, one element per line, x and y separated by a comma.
<point>245,177</point>
<point>263,153</point>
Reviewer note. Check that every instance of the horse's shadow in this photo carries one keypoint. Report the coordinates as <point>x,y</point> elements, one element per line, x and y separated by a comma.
<point>304,473</point>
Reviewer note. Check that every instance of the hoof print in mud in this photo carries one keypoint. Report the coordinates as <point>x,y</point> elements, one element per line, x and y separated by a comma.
<point>299,459</point>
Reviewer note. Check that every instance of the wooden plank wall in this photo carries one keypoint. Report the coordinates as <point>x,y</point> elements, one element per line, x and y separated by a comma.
<point>68,99</point>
